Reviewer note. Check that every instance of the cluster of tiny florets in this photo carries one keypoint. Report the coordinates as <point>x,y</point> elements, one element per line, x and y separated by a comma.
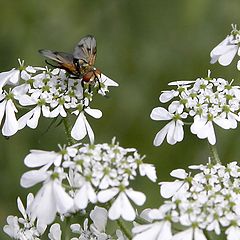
<point>85,173</point>
<point>208,200</point>
<point>201,104</point>
<point>50,93</point>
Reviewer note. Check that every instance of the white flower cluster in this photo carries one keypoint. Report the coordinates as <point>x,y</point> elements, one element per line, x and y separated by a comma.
<point>208,201</point>
<point>201,104</point>
<point>97,230</point>
<point>27,228</point>
<point>84,173</point>
<point>50,93</point>
<point>225,51</point>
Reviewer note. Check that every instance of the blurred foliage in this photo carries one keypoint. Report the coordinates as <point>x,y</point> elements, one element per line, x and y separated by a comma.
<point>142,45</point>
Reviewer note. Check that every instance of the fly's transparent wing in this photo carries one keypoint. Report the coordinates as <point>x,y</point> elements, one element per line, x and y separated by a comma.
<point>59,57</point>
<point>86,50</point>
<point>63,60</point>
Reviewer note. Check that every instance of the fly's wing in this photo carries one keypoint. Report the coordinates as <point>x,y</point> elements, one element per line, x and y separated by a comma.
<point>64,60</point>
<point>86,50</point>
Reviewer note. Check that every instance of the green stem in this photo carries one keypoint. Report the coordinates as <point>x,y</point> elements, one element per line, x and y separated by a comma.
<point>140,220</point>
<point>67,228</point>
<point>207,235</point>
<point>124,229</point>
<point>67,126</point>
<point>214,154</point>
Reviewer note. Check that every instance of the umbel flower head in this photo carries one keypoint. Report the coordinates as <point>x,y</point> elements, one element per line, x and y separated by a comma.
<point>202,104</point>
<point>207,201</point>
<point>83,173</point>
<point>50,93</point>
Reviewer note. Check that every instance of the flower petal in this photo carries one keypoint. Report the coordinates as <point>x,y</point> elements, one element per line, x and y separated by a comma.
<point>10,126</point>
<point>79,131</point>
<point>137,197</point>
<point>160,113</point>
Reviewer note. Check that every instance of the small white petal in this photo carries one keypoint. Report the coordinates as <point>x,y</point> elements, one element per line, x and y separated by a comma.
<point>171,132</point>
<point>106,195</point>
<point>38,158</point>
<point>122,207</point>
<point>21,208</point>
<point>33,121</point>
<point>227,58</point>
<point>184,235</point>
<point>156,231</point>
<point>167,96</point>
<point>107,81</point>
<point>178,131</point>
<point>33,177</point>
<point>55,232</point>
<point>79,131</point>
<point>159,138</point>
<point>89,131</point>
<point>160,113</point>
<point>148,170</point>
<point>96,113</point>
<point>63,201</point>
<point>179,173</point>
<point>137,197</point>
<point>168,189</point>
<point>10,126</point>
<point>99,218</point>
<point>198,234</point>
<point>2,110</point>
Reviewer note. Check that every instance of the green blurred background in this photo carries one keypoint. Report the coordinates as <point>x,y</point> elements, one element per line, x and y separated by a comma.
<point>142,45</point>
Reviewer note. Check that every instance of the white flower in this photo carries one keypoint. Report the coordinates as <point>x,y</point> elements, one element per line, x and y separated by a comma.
<point>10,77</point>
<point>179,187</point>
<point>24,228</point>
<point>10,126</point>
<point>55,232</point>
<point>168,95</point>
<point>173,130</point>
<point>148,170</point>
<point>225,51</point>
<point>39,158</point>
<point>121,205</point>
<point>153,231</point>
<point>99,218</point>
<point>81,127</point>
<point>84,194</point>
<point>105,83</point>
<point>190,234</point>
<point>31,118</point>
<point>50,199</point>
<point>12,228</point>
<point>203,127</point>
<point>233,233</point>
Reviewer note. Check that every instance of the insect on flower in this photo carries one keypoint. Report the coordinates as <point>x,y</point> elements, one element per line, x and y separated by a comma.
<point>80,63</point>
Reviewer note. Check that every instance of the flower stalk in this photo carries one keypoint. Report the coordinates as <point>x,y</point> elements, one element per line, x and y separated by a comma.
<point>124,229</point>
<point>214,154</point>
<point>70,140</point>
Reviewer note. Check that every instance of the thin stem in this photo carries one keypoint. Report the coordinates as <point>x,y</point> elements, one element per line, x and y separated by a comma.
<point>213,153</point>
<point>140,220</point>
<point>67,126</point>
<point>124,229</point>
<point>67,228</point>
